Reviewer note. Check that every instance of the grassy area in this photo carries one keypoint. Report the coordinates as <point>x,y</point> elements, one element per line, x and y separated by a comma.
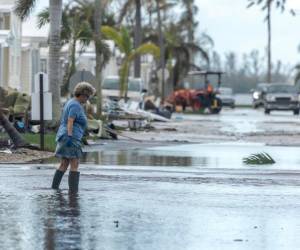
<point>3,136</point>
<point>35,140</point>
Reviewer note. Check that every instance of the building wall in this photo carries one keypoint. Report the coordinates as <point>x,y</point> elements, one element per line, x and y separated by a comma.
<point>5,68</point>
<point>35,65</point>
<point>25,71</point>
<point>14,80</point>
<point>87,62</point>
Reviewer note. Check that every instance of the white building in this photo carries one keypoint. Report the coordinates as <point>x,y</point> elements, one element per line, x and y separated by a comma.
<point>19,56</point>
<point>10,45</point>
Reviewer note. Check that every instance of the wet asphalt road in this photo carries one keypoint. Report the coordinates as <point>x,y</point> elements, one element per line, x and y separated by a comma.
<point>196,196</point>
<point>150,208</point>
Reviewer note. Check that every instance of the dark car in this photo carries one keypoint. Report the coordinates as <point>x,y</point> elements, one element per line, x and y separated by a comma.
<point>282,97</point>
<point>226,96</point>
<point>258,95</point>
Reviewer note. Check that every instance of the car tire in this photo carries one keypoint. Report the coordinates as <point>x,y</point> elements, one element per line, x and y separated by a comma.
<point>267,111</point>
<point>218,108</point>
<point>296,112</point>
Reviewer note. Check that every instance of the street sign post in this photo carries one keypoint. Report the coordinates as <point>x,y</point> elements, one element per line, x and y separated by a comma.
<point>40,97</point>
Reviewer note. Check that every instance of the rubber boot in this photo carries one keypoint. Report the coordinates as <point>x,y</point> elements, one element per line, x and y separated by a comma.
<point>57,179</point>
<point>73,181</point>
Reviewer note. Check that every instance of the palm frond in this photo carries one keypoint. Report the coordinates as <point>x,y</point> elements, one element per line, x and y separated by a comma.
<point>85,33</point>
<point>23,8</point>
<point>127,43</point>
<point>250,4</point>
<point>113,34</point>
<point>259,159</point>
<point>148,48</point>
<point>206,40</point>
<point>196,48</point>
<point>124,71</point>
<point>43,18</point>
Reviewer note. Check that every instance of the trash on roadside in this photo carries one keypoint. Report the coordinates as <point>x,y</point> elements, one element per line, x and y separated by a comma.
<point>35,129</point>
<point>6,151</point>
<point>130,110</point>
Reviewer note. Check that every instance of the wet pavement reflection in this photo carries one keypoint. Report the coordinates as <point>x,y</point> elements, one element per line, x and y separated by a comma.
<point>148,210</point>
<point>194,196</point>
<point>138,158</point>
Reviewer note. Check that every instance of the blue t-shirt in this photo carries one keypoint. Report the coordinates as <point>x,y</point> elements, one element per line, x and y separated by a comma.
<point>72,109</point>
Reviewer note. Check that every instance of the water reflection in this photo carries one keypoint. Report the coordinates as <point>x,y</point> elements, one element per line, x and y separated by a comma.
<point>62,224</point>
<point>135,158</point>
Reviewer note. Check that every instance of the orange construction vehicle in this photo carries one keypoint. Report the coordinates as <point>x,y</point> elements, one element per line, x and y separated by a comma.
<point>199,94</point>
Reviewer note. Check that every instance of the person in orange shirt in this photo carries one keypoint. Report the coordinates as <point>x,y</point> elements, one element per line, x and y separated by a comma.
<point>209,88</point>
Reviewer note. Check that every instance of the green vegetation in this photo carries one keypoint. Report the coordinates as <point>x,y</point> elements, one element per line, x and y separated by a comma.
<point>259,159</point>
<point>123,41</point>
<point>4,136</point>
<point>34,139</point>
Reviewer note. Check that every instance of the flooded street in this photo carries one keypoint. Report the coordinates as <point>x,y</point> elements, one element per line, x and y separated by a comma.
<point>151,208</point>
<point>165,196</point>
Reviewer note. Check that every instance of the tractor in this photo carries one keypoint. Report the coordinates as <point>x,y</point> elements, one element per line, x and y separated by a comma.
<point>198,93</point>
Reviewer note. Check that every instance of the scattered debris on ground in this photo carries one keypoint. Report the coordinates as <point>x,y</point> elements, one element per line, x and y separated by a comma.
<point>23,155</point>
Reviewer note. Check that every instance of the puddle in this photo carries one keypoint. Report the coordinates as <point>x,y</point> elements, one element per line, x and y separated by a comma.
<point>142,211</point>
<point>194,192</point>
<point>193,157</point>
<point>218,155</point>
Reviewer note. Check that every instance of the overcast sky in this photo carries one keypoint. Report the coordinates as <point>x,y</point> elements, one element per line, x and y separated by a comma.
<point>233,27</point>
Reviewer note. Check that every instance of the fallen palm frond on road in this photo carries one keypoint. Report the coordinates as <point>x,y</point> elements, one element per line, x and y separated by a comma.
<point>258,159</point>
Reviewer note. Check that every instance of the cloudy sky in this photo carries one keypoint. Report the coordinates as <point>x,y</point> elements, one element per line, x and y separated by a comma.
<point>233,27</point>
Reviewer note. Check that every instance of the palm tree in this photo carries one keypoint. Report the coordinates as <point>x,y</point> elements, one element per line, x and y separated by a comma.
<point>124,43</point>
<point>74,28</point>
<point>188,18</point>
<point>23,10</point>
<point>267,6</point>
<point>95,15</point>
<point>179,51</point>
<point>98,48</point>
<point>188,22</point>
<point>162,49</point>
<point>137,30</point>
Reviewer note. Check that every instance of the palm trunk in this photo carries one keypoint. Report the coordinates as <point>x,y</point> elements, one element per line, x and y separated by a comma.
<point>269,76</point>
<point>54,74</point>
<point>71,67</point>
<point>14,135</point>
<point>162,50</point>
<point>137,38</point>
<point>190,30</point>
<point>127,67</point>
<point>97,41</point>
